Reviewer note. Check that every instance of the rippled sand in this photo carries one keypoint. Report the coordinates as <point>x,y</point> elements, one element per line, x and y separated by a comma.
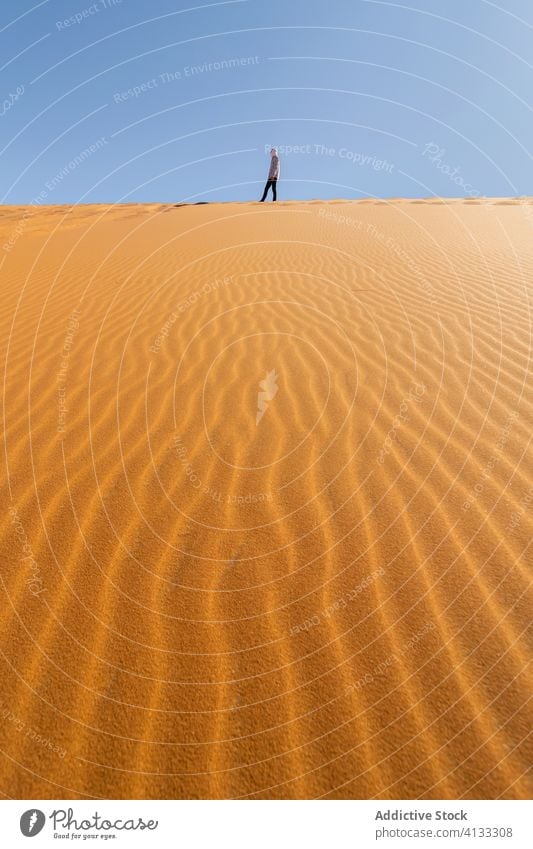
<point>268,500</point>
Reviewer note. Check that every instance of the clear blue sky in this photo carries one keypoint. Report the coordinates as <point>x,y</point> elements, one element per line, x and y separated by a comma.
<point>382,99</point>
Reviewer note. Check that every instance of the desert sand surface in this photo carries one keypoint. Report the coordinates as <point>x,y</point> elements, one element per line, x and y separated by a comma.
<point>267,500</point>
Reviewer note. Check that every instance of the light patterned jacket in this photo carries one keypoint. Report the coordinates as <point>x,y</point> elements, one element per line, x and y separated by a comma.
<point>273,173</point>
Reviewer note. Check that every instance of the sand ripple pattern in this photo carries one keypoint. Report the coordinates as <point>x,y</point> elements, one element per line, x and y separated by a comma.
<point>267,501</point>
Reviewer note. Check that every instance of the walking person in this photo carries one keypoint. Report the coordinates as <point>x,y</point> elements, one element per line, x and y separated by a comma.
<point>273,175</point>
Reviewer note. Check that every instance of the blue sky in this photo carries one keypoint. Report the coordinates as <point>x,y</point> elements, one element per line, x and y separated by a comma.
<point>122,101</point>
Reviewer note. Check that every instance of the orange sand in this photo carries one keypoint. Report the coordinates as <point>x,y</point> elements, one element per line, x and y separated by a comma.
<point>330,601</point>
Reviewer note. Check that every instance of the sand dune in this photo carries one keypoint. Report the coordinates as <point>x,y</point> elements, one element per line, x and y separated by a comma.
<point>268,500</point>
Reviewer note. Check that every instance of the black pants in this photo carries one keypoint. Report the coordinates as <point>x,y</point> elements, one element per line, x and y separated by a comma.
<point>270,184</point>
